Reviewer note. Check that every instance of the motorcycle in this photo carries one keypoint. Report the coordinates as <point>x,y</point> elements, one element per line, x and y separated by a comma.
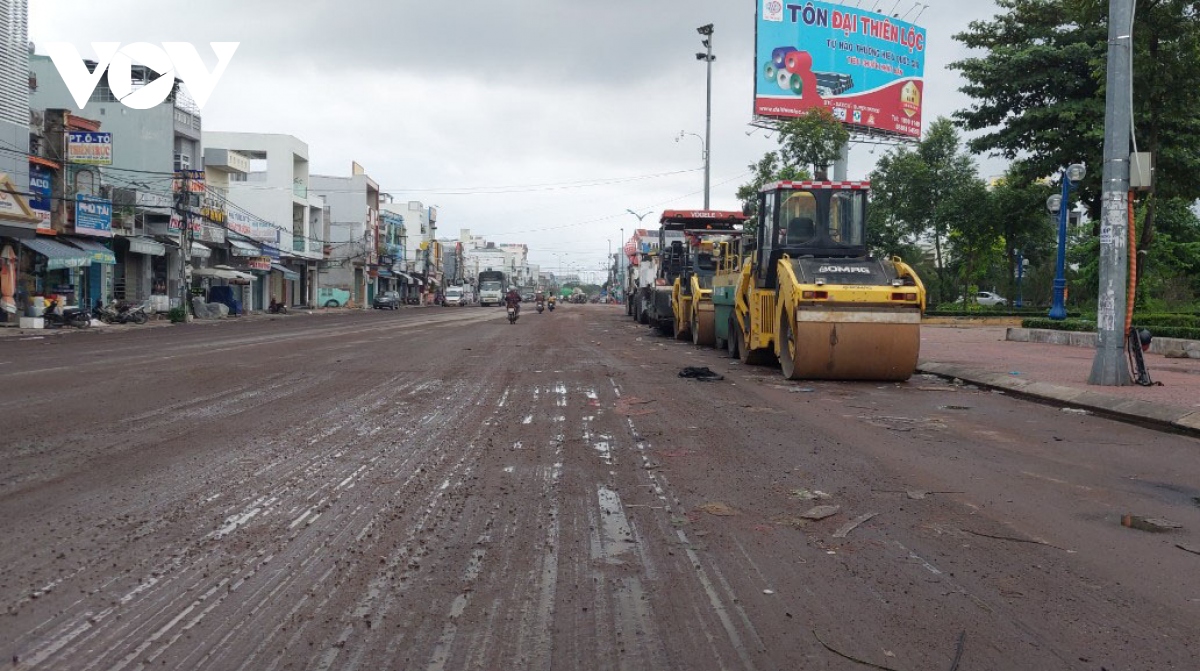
<point>72,315</point>
<point>551,305</point>
<point>277,308</point>
<point>540,306</point>
<point>135,313</point>
<point>107,314</point>
<point>512,314</point>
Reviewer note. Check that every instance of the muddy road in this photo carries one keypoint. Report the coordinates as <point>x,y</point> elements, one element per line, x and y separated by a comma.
<point>436,489</point>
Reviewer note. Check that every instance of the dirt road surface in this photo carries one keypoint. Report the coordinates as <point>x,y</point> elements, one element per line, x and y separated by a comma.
<point>437,489</point>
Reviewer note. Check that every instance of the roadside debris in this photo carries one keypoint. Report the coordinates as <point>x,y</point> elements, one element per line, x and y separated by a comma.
<point>954,407</point>
<point>846,528</point>
<point>1151,524</point>
<point>1014,539</point>
<point>820,512</point>
<point>806,495</point>
<point>718,509</point>
<point>768,592</point>
<point>701,373</point>
<point>843,655</point>
<point>1076,411</point>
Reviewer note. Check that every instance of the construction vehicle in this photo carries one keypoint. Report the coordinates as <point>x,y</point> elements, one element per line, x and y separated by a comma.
<point>673,258</point>
<point>811,295</point>
<point>691,295</point>
<point>728,258</point>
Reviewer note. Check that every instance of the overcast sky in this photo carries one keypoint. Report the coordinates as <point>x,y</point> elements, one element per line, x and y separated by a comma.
<point>533,121</point>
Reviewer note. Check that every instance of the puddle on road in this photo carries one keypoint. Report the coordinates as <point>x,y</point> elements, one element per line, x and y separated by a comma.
<point>616,538</point>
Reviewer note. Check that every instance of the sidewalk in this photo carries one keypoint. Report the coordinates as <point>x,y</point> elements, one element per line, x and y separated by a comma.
<point>1058,374</point>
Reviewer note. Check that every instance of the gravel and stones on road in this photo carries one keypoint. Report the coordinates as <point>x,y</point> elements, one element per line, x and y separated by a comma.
<point>438,489</point>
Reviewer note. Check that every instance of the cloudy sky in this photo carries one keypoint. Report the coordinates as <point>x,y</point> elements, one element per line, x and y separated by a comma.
<point>534,121</point>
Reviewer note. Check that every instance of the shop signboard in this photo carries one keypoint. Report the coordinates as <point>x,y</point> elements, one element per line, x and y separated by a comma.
<point>867,69</point>
<point>40,179</point>
<point>93,216</point>
<point>260,263</point>
<point>89,148</point>
<point>193,178</point>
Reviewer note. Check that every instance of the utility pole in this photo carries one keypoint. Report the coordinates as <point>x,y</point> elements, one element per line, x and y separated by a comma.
<point>1109,366</point>
<point>184,203</point>
<point>708,58</point>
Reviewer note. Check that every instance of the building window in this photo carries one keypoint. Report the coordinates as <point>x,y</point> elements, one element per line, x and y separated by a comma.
<point>183,161</point>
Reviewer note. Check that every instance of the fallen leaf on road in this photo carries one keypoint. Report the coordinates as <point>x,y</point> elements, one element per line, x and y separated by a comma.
<point>846,528</point>
<point>718,509</point>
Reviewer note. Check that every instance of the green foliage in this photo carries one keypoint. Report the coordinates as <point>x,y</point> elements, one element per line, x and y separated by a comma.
<point>177,315</point>
<point>816,138</point>
<point>1038,91</point>
<point>1141,321</point>
<point>931,193</point>
<point>1083,325</point>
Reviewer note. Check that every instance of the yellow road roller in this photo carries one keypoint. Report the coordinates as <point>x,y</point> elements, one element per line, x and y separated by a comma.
<point>812,297</point>
<point>692,298</point>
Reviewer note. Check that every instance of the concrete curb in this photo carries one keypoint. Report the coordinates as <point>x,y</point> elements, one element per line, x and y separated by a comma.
<point>1088,339</point>
<point>1144,413</point>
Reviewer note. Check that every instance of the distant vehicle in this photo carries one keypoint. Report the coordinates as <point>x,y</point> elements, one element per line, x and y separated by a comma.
<point>453,297</point>
<point>388,300</point>
<point>331,297</point>
<point>491,287</point>
<point>987,298</point>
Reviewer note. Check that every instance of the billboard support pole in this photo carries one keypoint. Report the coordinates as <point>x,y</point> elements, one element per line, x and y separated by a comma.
<point>842,165</point>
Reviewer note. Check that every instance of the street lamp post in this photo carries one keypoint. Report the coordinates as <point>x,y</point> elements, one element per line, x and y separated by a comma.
<point>1020,273</point>
<point>1059,205</point>
<point>703,157</point>
<point>708,58</point>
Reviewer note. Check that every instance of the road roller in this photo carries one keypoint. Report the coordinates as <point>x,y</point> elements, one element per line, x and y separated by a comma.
<point>812,297</point>
<point>673,260</point>
<point>692,298</point>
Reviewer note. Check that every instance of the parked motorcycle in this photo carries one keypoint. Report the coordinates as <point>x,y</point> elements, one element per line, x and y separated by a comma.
<point>512,315</point>
<point>109,314</point>
<point>277,308</point>
<point>72,315</point>
<point>133,312</point>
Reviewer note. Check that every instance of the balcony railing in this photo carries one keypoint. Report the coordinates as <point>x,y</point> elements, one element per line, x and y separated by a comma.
<point>299,190</point>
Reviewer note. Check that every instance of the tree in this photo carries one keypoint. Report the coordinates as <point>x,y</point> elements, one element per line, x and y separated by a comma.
<point>925,192</point>
<point>1039,91</point>
<point>814,139</point>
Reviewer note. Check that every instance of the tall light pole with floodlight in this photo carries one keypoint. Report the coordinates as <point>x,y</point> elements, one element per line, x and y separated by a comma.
<point>708,58</point>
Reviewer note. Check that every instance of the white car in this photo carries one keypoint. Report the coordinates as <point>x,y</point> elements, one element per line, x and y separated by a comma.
<point>453,297</point>
<point>988,298</point>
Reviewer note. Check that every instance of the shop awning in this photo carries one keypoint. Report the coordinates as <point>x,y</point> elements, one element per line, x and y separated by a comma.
<point>406,277</point>
<point>100,254</point>
<point>59,256</point>
<point>241,248</point>
<point>222,273</point>
<point>289,275</point>
<point>199,251</point>
<point>139,245</point>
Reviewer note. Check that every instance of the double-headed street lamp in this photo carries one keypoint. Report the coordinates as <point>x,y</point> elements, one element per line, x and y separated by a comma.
<point>1059,205</point>
<point>708,58</point>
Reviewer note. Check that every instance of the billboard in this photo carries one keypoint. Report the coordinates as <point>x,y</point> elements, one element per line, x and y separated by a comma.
<point>867,68</point>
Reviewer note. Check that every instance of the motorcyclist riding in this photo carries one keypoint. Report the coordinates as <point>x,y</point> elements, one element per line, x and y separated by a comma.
<point>513,300</point>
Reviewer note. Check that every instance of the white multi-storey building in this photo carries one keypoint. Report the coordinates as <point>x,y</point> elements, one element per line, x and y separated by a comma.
<point>273,220</point>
